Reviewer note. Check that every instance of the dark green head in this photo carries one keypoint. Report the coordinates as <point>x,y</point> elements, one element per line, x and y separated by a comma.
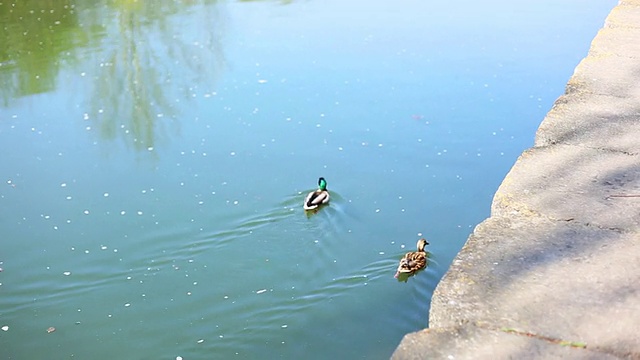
<point>322,184</point>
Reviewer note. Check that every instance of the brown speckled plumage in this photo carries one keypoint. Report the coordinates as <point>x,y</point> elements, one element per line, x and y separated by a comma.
<point>414,260</point>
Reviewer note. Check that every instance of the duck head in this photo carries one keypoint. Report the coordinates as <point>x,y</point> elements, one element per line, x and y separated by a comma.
<point>422,243</point>
<point>322,184</point>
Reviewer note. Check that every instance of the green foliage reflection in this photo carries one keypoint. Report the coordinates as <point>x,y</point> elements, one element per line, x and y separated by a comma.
<point>37,37</point>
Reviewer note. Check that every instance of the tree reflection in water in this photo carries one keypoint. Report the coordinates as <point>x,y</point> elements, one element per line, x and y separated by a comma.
<point>153,60</point>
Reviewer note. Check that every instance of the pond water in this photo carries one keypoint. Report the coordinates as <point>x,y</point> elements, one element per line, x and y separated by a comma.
<point>155,156</point>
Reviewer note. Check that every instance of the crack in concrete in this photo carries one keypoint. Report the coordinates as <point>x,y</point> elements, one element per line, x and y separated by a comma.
<point>575,344</point>
<point>525,211</point>
<point>552,143</point>
<point>615,151</point>
<point>561,342</point>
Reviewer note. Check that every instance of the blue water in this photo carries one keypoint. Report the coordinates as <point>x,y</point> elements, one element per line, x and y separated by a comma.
<point>156,155</point>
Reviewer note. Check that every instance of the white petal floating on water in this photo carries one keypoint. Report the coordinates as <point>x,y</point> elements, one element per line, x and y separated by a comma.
<point>66,273</point>
<point>5,328</point>
<point>200,341</point>
<point>178,357</point>
<point>127,305</point>
<point>86,212</point>
<point>284,326</point>
<point>261,291</point>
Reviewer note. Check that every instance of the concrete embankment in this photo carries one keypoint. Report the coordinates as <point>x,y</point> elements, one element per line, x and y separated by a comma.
<point>555,271</point>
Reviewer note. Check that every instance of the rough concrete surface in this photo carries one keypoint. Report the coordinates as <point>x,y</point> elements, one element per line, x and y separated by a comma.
<point>555,271</point>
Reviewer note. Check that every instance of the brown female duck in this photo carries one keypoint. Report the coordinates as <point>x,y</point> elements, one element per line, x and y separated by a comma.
<point>413,260</point>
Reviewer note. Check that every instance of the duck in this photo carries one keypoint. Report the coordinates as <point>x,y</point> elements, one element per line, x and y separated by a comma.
<point>318,197</point>
<point>413,260</point>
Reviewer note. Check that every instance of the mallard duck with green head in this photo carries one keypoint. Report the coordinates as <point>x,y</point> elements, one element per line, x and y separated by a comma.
<point>317,197</point>
<point>413,260</point>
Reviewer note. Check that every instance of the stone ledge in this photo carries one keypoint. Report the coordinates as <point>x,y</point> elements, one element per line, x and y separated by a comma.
<point>555,271</point>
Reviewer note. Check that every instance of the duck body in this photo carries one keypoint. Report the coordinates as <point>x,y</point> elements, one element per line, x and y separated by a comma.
<point>414,260</point>
<point>318,197</point>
